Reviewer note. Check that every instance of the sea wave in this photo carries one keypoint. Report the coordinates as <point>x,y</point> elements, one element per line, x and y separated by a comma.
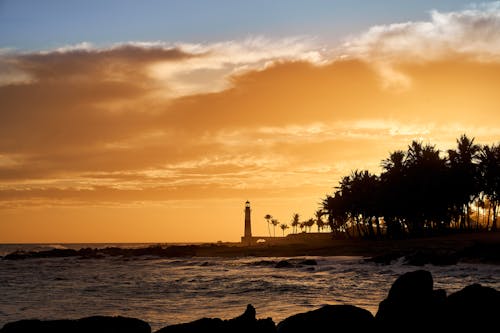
<point>165,291</point>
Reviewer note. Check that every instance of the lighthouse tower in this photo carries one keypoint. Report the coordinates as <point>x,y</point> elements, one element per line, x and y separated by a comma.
<point>247,238</point>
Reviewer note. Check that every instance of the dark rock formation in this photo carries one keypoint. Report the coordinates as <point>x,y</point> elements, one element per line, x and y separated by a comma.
<point>437,258</point>
<point>411,302</point>
<point>473,306</point>
<point>89,253</point>
<point>97,324</point>
<point>329,317</point>
<point>308,262</point>
<point>386,258</point>
<point>246,323</point>
<point>284,264</point>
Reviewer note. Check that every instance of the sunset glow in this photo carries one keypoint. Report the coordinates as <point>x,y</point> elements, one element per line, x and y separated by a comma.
<point>164,141</point>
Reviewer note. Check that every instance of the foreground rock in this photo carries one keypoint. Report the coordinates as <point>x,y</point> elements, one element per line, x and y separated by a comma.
<point>347,318</point>
<point>97,324</point>
<point>412,304</point>
<point>411,301</point>
<point>474,306</point>
<point>247,322</point>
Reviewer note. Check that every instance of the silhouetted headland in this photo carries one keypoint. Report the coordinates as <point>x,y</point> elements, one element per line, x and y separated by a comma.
<point>412,304</point>
<point>439,250</point>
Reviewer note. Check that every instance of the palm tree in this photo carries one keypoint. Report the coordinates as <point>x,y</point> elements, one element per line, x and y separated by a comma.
<point>490,174</point>
<point>319,221</point>
<point>465,175</point>
<point>283,228</point>
<point>268,218</point>
<point>427,185</point>
<point>393,194</point>
<point>295,222</point>
<point>275,223</point>
<point>309,223</point>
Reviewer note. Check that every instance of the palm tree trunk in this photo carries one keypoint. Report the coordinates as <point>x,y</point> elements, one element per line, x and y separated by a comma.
<point>358,227</point>
<point>379,232</point>
<point>477,219</point>
<point>494,225</point>
<point>488,217</point>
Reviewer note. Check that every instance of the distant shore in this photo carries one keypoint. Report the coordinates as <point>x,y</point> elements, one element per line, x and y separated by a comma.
<point>449,249</point>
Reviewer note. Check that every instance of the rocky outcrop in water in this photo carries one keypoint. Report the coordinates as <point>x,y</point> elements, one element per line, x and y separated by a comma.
<point>412,305</point>
<point>95,253</point>
<point>97,324</point>
<point>246,323</point>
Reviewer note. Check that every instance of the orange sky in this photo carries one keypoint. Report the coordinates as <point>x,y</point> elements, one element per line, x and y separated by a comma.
<point>156,143</point>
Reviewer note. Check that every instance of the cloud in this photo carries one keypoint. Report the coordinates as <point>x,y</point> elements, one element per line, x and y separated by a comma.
<point>213,72</point>
<point>471,33</point>
<point>158,121</point>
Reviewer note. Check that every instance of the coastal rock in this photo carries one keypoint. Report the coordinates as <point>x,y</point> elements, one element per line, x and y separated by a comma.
<point>386,258</point>
<point>436,258</point>
<point>336,317</point>
<point>474,305</point>
<point>200,325</point>
<point>246,323</point>
<point>284,264</point>
<point>97,324</point>
<point>411,302</point>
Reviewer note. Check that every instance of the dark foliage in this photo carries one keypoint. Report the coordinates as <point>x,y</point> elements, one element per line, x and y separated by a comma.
<point>420,192</point>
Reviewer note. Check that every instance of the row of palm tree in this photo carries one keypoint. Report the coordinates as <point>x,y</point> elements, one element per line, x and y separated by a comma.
<point>420,191</point>
<point>296,223</point>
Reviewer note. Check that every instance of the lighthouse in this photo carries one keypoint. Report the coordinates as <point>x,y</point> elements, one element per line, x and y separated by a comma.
<point>247,238</point>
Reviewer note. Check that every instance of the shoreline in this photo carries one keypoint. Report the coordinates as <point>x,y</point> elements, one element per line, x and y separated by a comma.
<point>447,249</point>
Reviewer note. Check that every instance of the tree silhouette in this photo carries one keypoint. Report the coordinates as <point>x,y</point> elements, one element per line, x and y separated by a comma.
<point>268,218</point>
<point>420,191</point>
<point>465,173</point>
<point>295,222</point>
<point>283,228</point>
<point>309,223</point>
<point>319,219</point>
<point>275,223</point>
<point>489,167</point>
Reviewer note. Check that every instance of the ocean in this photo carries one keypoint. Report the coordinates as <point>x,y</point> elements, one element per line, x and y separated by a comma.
<point>165,291</point>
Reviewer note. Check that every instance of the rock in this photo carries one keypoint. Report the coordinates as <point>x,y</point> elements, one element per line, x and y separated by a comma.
<point>411,302</point>
<point>246,323</point>
<point>39,326</point>
<point>97,324</point>
<point>474,305</point>
<point>284,264</point>
<point>200,325</point>
<point>385,259</point>
<point>308,262</point>
<point>329,318</point>
<point>437,258</point>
